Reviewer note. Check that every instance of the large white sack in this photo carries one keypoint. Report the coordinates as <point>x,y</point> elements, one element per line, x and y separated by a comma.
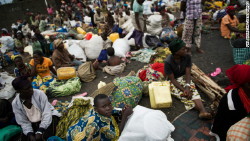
<point>154,30</point>
<point>147,125</point>
<point>131,42</point>
<point>87,20</point>
<point>171,17</point>
<point>68,43</point>
<point>121,47</point>
<point>8,42</point>
<point>155,20</point>
<point>77,51</point>
<point>8,91</point>
<point>92,47</point>
<point>128,25</point>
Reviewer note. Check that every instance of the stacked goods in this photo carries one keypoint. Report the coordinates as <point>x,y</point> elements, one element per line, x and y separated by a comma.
<point>207,85</point>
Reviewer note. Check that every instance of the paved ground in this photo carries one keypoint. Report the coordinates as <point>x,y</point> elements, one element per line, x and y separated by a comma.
<point>217,54</point>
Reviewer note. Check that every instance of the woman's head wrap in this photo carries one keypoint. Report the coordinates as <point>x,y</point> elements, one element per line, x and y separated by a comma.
<point>238,75</point>
<point>57,42</point>
<point>176,45</point>
<point>230,8</point>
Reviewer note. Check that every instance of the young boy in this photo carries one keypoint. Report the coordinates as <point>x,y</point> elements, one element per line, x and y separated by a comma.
<point>26,56</point>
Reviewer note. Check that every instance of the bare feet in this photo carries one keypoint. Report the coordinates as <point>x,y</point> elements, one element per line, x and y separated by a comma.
<point>199,50</point>
<point>205,115</point>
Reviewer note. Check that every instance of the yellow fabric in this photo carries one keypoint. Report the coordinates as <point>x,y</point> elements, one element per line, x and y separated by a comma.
<point>225,32</point>
<point>43,69</point>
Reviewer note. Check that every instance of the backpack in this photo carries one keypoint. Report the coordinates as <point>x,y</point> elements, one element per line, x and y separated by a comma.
<point>86,72</point>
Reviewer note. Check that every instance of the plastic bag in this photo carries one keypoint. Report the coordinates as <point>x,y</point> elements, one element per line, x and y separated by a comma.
<point>121,47</point>
<point>7,91</point>
<point>92,47</point>
<point>77,51</point>
<point>167,35</point>
<point>147,125</point>
<point>8,42</point>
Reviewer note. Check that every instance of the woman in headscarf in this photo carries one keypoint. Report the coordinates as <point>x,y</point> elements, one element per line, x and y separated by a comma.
<point>236,104</point>
<point>139,23</point>
<point>5,32</point>
<point>178,69</point>
<point>61,56</point>
<point>229,23</point>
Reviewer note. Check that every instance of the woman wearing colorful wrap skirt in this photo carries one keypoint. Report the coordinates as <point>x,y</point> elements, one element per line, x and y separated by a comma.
<point>138,22</point>
<point>178,69</point>
<point>41,67</point>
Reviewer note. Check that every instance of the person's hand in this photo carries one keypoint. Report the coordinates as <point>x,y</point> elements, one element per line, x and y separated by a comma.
<point>32,138</point>
<point>187,93</point>
<point>127,111</point>
<point>39,137</point>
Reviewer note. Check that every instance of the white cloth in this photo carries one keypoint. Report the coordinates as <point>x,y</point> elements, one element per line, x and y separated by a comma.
<point>147,8</point>
<point>33,114</point>
<point>147,125</point>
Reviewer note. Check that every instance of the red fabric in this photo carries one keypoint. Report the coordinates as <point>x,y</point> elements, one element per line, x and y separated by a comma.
<point>244,99</point>
<point>158,67</point>
<point>238,75</point>
<point>142,75</point>
<point>230,8</point>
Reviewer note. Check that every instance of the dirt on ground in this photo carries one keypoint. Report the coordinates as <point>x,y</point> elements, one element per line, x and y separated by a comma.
<point>218,53</point>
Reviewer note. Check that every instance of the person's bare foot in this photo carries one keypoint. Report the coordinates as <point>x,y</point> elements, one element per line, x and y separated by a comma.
<point>199,50</point>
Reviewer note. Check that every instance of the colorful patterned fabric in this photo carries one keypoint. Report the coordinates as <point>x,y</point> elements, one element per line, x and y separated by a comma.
<point>142,55</point>
<point>42,83</point>
<point>95,127</point>
<point>64,87</point>
<point>149,74</point>
<point>240,131</point>
<point>72,115</point>
<point>189,104</point>
<point>24,72</point>
<point>193,9</point>
<point>240,54</point>
<point>160,55</point>
<point>128,91</point>
<point>190,31</point>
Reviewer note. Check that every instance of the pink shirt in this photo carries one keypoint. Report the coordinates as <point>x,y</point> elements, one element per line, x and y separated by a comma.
<point>50,11</point>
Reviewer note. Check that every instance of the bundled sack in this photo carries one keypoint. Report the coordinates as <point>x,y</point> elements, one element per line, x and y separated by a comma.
<point>147,125</point>
<point>128,26</point>
<point>152,41</point>
<point>92,47</point>
<point>7,42</point>
<point>154,26</point>
<point>127,91</point>
<point>167,35</point>
<point>77,51</point>
<point>7,91</point>
<point>121,47</point>
<point>60,88</point>
<point>86,72</point>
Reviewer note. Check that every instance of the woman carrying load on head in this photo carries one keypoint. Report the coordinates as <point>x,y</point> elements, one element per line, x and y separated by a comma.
<point>236,104</point>
<point>178,69</point>
<point>40,70</point>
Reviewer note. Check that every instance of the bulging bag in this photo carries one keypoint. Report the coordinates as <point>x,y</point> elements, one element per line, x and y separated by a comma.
<point>86,72</point>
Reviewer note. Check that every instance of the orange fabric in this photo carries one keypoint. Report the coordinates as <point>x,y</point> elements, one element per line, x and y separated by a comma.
<point>43,69</point>
<point>225,32</point>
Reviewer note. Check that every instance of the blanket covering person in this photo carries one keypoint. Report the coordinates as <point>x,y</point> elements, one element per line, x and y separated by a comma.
<point>236,104</point>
